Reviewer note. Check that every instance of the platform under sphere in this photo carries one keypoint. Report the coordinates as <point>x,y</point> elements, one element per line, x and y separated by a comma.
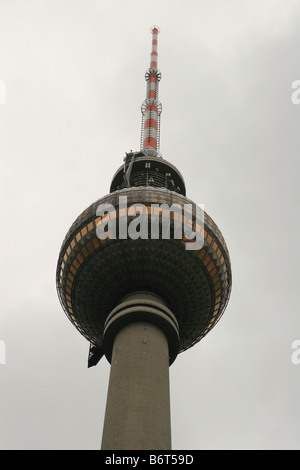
<point>93,275</point>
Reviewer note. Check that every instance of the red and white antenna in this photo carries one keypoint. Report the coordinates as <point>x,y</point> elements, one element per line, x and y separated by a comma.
<point>151,107</point>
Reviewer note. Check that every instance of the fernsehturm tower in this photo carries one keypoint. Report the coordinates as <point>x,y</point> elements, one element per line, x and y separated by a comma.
<point>144,274</point>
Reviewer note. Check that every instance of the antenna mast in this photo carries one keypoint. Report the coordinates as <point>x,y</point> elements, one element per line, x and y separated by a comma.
<point>151,107</point>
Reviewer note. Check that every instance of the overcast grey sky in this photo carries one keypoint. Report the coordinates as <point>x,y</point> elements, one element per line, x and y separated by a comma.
<point>74,78</point>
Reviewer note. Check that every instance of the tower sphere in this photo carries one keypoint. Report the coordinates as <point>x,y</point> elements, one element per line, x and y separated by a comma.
<point>101,263</point>
<point>93,275</point>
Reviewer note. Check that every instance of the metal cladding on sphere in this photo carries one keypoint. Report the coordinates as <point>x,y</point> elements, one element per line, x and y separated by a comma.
<point>95,274</point>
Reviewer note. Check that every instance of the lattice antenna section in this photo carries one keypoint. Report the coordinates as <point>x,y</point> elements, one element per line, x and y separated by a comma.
<point>151,107</point>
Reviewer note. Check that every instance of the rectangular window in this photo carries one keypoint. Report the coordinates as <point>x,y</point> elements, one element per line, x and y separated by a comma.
<point>210,266</point>
<point>73,270</point>
<point>89,247</point>
<point>84,251</point>
<point>213,272</point>
<point>79,258</point>
<point>207,260</point>
<point>95,242</point>
<point>76,264</point>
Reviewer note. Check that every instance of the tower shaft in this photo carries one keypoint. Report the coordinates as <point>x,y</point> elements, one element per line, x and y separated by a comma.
<point>140,334</point>
<point>138,404</point>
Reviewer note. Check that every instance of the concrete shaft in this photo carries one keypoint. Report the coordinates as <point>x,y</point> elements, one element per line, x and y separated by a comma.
<point>137,413</point>
<point>138,402</point>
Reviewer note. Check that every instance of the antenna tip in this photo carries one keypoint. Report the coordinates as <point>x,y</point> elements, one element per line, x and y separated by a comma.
<point>153,28</point>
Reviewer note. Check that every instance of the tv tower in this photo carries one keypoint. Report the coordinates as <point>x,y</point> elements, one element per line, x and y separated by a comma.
<point>143,274</point>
